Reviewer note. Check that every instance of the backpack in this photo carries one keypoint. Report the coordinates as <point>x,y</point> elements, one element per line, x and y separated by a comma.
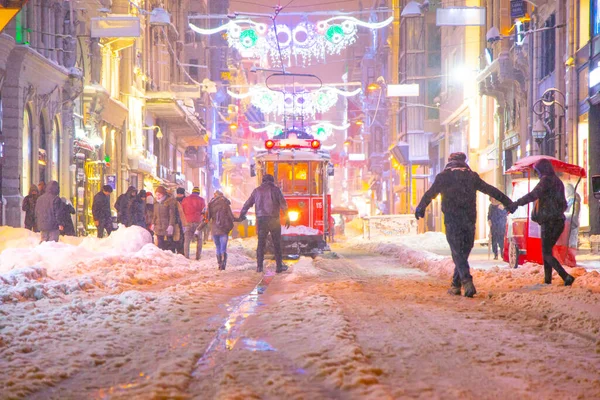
<point>223,218</point>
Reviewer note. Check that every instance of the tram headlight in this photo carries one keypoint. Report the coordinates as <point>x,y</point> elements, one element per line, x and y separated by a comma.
<point>293,215</point>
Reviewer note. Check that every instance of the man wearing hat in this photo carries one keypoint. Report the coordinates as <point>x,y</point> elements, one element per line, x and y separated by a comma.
<point>458,185</point>
<point>193,208</point>
<point>268,201</point>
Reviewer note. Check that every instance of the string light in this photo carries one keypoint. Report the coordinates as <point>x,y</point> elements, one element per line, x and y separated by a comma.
<point>304,42</point>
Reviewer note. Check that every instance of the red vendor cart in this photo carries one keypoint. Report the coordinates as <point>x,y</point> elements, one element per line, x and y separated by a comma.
<point>523,241</point>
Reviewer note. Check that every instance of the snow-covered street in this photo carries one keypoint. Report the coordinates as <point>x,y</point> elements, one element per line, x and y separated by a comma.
<point>118,318</point>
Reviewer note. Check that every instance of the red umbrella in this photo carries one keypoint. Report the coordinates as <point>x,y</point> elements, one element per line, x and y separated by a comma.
<point>527,163</point>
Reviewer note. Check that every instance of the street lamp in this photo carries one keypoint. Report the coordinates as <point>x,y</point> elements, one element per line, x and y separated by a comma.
<point>545,109</point>
<point>539,133</point>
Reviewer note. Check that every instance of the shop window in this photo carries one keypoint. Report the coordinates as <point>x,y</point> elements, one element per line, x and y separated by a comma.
<point>42,151</point>
<point>584,23</point>
<point>596,17</point>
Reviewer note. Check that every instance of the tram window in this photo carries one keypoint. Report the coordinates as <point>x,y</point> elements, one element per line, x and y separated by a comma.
<point>300,182</point>
<point>317,174</point>
<point>269,168</point>
<point>284,177</point>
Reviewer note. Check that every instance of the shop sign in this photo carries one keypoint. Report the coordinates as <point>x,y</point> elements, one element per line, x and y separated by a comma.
<point>594,76</point>
<point>111,180</point>
<point>510,142</point>
<point>517,9</point>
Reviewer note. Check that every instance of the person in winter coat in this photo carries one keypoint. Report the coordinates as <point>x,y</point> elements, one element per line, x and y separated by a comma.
<point>48,213</point>
<point>149,213</point>
<point>29,208</point>
<point>66,220</point>
<point>458,185</point>
<point>122,206</point>
<point>219,212</point>
<point>137,209</point>
<point>164,218</point>
<point>551,205</point>
<point>101,211</point>
<point>497,223</point>
<point>180,222</point>
<point>268,201</point>
<point>193,209</point>
<point>42,187</point>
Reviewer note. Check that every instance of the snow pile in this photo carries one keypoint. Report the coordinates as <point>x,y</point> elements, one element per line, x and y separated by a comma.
<point>300,230</point>
<point>17,238</point>
<point>303,268</point>
<point>124,260</point>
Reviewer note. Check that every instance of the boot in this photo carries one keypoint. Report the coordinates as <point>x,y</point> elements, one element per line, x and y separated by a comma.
<point>281,268</point>
<point>220,260</point>
<point>224,263</point>
<point>259,268</point>
<point>569,280</point>
<point>454,290</point>
<point>469,289</point>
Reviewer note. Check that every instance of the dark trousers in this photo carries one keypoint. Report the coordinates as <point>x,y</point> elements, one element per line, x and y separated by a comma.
<point>266,225</point>
<point>166,243</point>
<point>551,231</point>
<point>461,238</point>
<point>498,242</point>
<point>102,225</point>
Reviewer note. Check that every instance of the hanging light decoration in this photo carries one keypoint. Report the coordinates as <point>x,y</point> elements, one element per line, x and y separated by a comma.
<point>305,103</point>
<point>304,42</point>
<point>321,130</point>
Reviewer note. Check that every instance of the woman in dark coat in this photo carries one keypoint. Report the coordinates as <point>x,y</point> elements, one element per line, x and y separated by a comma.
<point>551,205</point>
<point>29,208</point>
<point>65,218</point>
<point>137,209</point>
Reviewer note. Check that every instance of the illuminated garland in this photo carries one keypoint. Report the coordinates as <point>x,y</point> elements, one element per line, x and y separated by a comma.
<point>303,42</point>
<point>306,103</point>
<point>320,130</point>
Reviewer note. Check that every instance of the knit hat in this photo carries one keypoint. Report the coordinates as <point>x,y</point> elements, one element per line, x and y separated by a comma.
<point>161,189</point>
<point>196,189</point>
<point>180,191</point>
<point>458,156</point>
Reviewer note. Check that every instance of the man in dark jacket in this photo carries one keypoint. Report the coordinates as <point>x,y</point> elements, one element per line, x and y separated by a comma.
<point>48,213</point>
<point>219,213</point>
<point>268,201</point>
<point>458,186</point>
<point>497,224</point>
<point>551,205</point>
<point>122,206</point>
<point>101,211</point>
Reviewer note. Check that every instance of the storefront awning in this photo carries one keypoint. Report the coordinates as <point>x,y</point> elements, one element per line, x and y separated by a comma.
<point>179,119</point>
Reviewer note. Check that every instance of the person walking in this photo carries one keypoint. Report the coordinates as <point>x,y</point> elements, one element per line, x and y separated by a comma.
<point>268,201</point>
<point>497,223</point>
<point>193,207</point>
<point>29,207</point>
<point>66,221</point>
<point>458,185</point>
<point>122,206</point>
<point>180,222</point>
<point>48,213</point>
<point>101,211</point>
<point>549,195</point>
<point>221,216</point>
<point>163,219</point>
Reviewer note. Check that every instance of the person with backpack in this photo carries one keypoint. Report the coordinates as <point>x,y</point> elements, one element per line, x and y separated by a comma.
<point>49,213</point>
<point>221,216</point>
<point>551,204</point>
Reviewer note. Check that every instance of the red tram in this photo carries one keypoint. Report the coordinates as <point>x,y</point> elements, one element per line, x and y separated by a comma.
<point>301,168</point>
